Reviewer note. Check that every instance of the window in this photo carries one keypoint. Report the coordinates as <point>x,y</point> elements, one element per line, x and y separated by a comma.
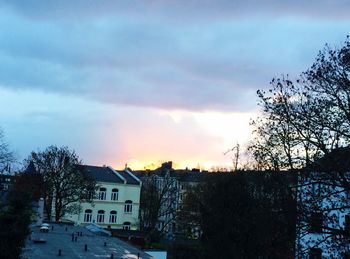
<point>90,195</point>
<point>5,187</point>
<point>102,194</point>
<point>100,216</point>
<point>181,196</point>
<point>113,216</point>
<point>347,224</point>
<point>126,225</point>
<point>128,206</point>
<point>316,189</point>
<point>316,222</point>
<point>114,195</point>
<point>315,253</point>
<point>88,216</point>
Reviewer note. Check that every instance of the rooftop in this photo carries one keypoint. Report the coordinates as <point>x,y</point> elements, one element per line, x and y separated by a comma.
<point>47,245</point>
<point>106,174</point>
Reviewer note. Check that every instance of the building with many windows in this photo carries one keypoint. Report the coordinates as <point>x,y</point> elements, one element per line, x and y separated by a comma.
<point>172,185</point>
<point>323,206</point>
<point>116,201</point>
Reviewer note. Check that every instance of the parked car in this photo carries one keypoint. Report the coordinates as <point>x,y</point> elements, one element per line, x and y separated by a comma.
<point>44,229</point>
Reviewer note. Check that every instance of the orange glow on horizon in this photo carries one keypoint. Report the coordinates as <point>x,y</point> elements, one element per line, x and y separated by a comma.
<point>188,139</point>
<point>135,164</point>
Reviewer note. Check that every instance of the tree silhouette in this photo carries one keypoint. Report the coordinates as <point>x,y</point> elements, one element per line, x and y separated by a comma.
<point>6,155</point>
<point>303,120</point>
<point>305,123</point>
<point>243,215</point>
<point>64,181</point>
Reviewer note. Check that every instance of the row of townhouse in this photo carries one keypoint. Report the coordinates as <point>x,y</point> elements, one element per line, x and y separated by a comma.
<point>174,183</point>
<point>323,205</point>
<point>322,196</point>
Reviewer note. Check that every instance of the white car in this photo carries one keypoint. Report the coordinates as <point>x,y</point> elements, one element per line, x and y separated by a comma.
<point>44,229</point>
<point>45,225</point>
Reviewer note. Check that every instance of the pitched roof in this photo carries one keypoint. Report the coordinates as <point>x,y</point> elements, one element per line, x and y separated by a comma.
<point>181,175</point>
<point>337,160</point>
<point>128,177</point>
<point>107,174</point>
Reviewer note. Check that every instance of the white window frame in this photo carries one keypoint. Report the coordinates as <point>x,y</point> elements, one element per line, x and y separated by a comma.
<point>114,194</point>
<point>128,206</point>
<point>88,216</point>
<point>102,194</point>
<point>113,217</point>
<point>100,216</point>
<point>126,225</point>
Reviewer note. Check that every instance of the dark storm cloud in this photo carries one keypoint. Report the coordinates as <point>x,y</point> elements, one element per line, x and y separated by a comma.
<point>190,55</point>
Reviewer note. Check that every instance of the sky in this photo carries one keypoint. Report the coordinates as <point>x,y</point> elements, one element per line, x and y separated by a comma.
<point>143,82</point>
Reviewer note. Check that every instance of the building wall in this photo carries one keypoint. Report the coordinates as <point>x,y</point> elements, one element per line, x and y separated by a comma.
<point>125,192</point>
<point>325,198</point>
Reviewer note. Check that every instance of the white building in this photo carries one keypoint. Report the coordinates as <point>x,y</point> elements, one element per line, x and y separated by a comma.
<point>117,200</point>
<point>323,219</point>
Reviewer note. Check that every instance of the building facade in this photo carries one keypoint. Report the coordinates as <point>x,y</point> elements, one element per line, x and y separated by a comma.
<point>323,218</point>
<point>116,202</point>
<point>172,185</point>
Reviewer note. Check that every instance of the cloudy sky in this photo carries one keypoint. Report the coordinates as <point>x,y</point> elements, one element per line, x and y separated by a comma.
<point>145,81</point>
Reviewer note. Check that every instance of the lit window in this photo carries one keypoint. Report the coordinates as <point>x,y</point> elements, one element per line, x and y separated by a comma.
<point>126,225</point>
<point>100,216</point>
<point>88,216</point>
<point>113,217</point>
<point>102,194</point>
<point>114,195</point>
<point>128,206</point>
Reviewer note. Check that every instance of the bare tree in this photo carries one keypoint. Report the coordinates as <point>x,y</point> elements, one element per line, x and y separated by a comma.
<point>323,202</point>
<point>189,215</point>
<point>303,121</point>
<point>6,156</point>
<point>236,156</point>
<point>64,181</point>
<point>159,201</point>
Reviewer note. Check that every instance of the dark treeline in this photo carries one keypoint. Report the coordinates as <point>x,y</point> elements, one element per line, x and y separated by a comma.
<point>15,217</point>
<point>243,215</point>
